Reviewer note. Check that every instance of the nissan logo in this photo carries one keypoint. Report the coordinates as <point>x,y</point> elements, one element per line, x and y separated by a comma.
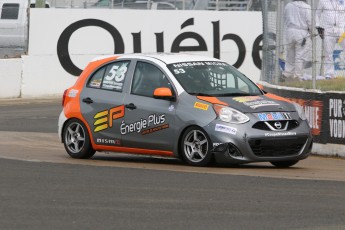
<point>278,125</point>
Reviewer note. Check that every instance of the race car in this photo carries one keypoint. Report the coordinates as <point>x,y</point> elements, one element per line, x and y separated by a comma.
<point>195,108</point>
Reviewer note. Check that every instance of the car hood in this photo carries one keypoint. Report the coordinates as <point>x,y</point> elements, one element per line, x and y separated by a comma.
<point>254,104</point>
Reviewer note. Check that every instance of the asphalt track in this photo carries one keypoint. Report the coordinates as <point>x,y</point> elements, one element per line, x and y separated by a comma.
<point>42,188</point>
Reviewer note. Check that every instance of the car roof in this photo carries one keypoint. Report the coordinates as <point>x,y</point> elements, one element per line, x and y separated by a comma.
<point>167,58</point>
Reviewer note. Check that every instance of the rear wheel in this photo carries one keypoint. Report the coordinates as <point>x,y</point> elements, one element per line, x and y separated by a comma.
<point>195,147</point>
<point>284,164</point>
<point>76,140</point>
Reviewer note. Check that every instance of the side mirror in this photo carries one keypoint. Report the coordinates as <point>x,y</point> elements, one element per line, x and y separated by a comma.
<point>163,93</point>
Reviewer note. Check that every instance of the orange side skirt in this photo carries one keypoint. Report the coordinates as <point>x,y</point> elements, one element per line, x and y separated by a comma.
<point>134,150</point>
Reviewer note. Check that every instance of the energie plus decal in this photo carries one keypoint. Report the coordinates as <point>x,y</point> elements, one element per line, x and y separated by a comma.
<point>104,119</point>
<point>151,124</point>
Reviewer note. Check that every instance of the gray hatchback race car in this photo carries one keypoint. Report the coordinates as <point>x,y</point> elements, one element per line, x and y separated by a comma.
<point>187,106</point>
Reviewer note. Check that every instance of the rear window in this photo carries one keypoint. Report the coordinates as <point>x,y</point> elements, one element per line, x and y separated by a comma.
<point>110,77</point>
<point>10,11</point>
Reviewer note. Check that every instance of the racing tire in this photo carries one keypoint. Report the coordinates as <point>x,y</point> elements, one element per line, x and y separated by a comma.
<point>195,147</point>
<point>76,140</point>
<point>284,164</point>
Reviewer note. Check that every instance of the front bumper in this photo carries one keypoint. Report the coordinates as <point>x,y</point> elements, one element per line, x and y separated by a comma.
<point>245,144</point>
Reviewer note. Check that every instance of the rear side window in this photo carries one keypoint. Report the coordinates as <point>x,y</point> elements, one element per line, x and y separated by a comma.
<point>10,11</point>
<point>110,77</point>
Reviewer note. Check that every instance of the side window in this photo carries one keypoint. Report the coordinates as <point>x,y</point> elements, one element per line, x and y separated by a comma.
<point>230,81</point>
<point>147,78</point>
<point>96,79</point>
<point>110,77</point>
<point>10,11</point>
<point>243,86</point>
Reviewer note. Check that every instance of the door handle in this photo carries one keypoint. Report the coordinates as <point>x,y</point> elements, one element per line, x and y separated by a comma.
<point>87,100</point>
<point>130,106</point>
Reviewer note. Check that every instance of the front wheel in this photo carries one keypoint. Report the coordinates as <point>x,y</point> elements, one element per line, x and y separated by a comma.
<point>195,147</point>
<point>76,140</point>
<point>284,164</point>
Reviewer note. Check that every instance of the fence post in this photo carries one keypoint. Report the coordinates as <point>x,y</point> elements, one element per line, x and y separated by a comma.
<point>264,72</point>
<point>279,36</point>
<point>313,43</point>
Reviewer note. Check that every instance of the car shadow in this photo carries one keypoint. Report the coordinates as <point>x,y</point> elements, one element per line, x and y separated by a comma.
<point>158,160</point>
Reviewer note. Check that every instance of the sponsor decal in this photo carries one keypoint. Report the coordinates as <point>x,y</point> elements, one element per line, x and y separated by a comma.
<point>155,129</point>
<point>313,112</point>
<point>108,141</point>
<point>274,116</point>
<point>96,83</point>
<point>337,118</point>
<point>199,105</point>
<point>115,77</point>
<point>73,93</point>
<point>104,119</point>
<point>245,99</point>
<point>171,108</point>
<point>216,144</point>
<point>257,104</point>
<point>255,101</point>
<point>280,134</point>
<point>142,124</point>
<point>178,68</point>
<point>226,129</point>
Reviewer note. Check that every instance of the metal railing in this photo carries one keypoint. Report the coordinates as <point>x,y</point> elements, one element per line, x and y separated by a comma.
<point>9,50</point>
<point>227,5</point>
<point>222,5</point>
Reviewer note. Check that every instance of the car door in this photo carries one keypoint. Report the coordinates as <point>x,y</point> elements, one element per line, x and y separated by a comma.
<point>102,102</point>
<point>149,123</point>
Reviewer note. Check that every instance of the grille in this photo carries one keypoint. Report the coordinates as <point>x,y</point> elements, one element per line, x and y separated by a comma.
<point>291,124</point>
<point>277,147</point>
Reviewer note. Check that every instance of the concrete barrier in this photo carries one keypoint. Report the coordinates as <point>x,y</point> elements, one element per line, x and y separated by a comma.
<point>10,77</point>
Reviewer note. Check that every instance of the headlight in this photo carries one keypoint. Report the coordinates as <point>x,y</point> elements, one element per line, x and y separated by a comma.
<point>230,115</point>
<point>300,111</point>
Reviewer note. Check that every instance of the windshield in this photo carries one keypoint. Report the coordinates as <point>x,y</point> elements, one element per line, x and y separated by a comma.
<point>212,79</point>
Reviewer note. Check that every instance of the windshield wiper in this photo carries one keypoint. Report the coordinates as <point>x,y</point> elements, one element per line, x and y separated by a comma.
<point>235,94</point>
<point>202,94</point>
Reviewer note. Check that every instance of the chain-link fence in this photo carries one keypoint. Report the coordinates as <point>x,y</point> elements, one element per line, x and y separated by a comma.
<point>303,40</point>
<point>224,5</point>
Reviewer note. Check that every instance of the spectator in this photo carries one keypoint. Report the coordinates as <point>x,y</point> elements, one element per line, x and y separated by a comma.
<point>330,22</point>
<point>297,25</point>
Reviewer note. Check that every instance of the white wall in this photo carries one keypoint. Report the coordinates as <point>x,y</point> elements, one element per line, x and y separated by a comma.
<point>10,77</point>
<point>43,77</point>
<point>43,73</point>
<point>40,73</point>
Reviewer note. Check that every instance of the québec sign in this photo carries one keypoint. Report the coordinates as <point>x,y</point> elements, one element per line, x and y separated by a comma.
<point>195,41</point>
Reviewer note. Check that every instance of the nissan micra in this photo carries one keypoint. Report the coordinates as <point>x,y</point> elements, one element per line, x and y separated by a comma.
<point>191,107</point>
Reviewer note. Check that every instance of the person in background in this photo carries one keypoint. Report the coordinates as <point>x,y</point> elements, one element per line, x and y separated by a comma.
<point>297,27</point>
<point>330,22</point>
